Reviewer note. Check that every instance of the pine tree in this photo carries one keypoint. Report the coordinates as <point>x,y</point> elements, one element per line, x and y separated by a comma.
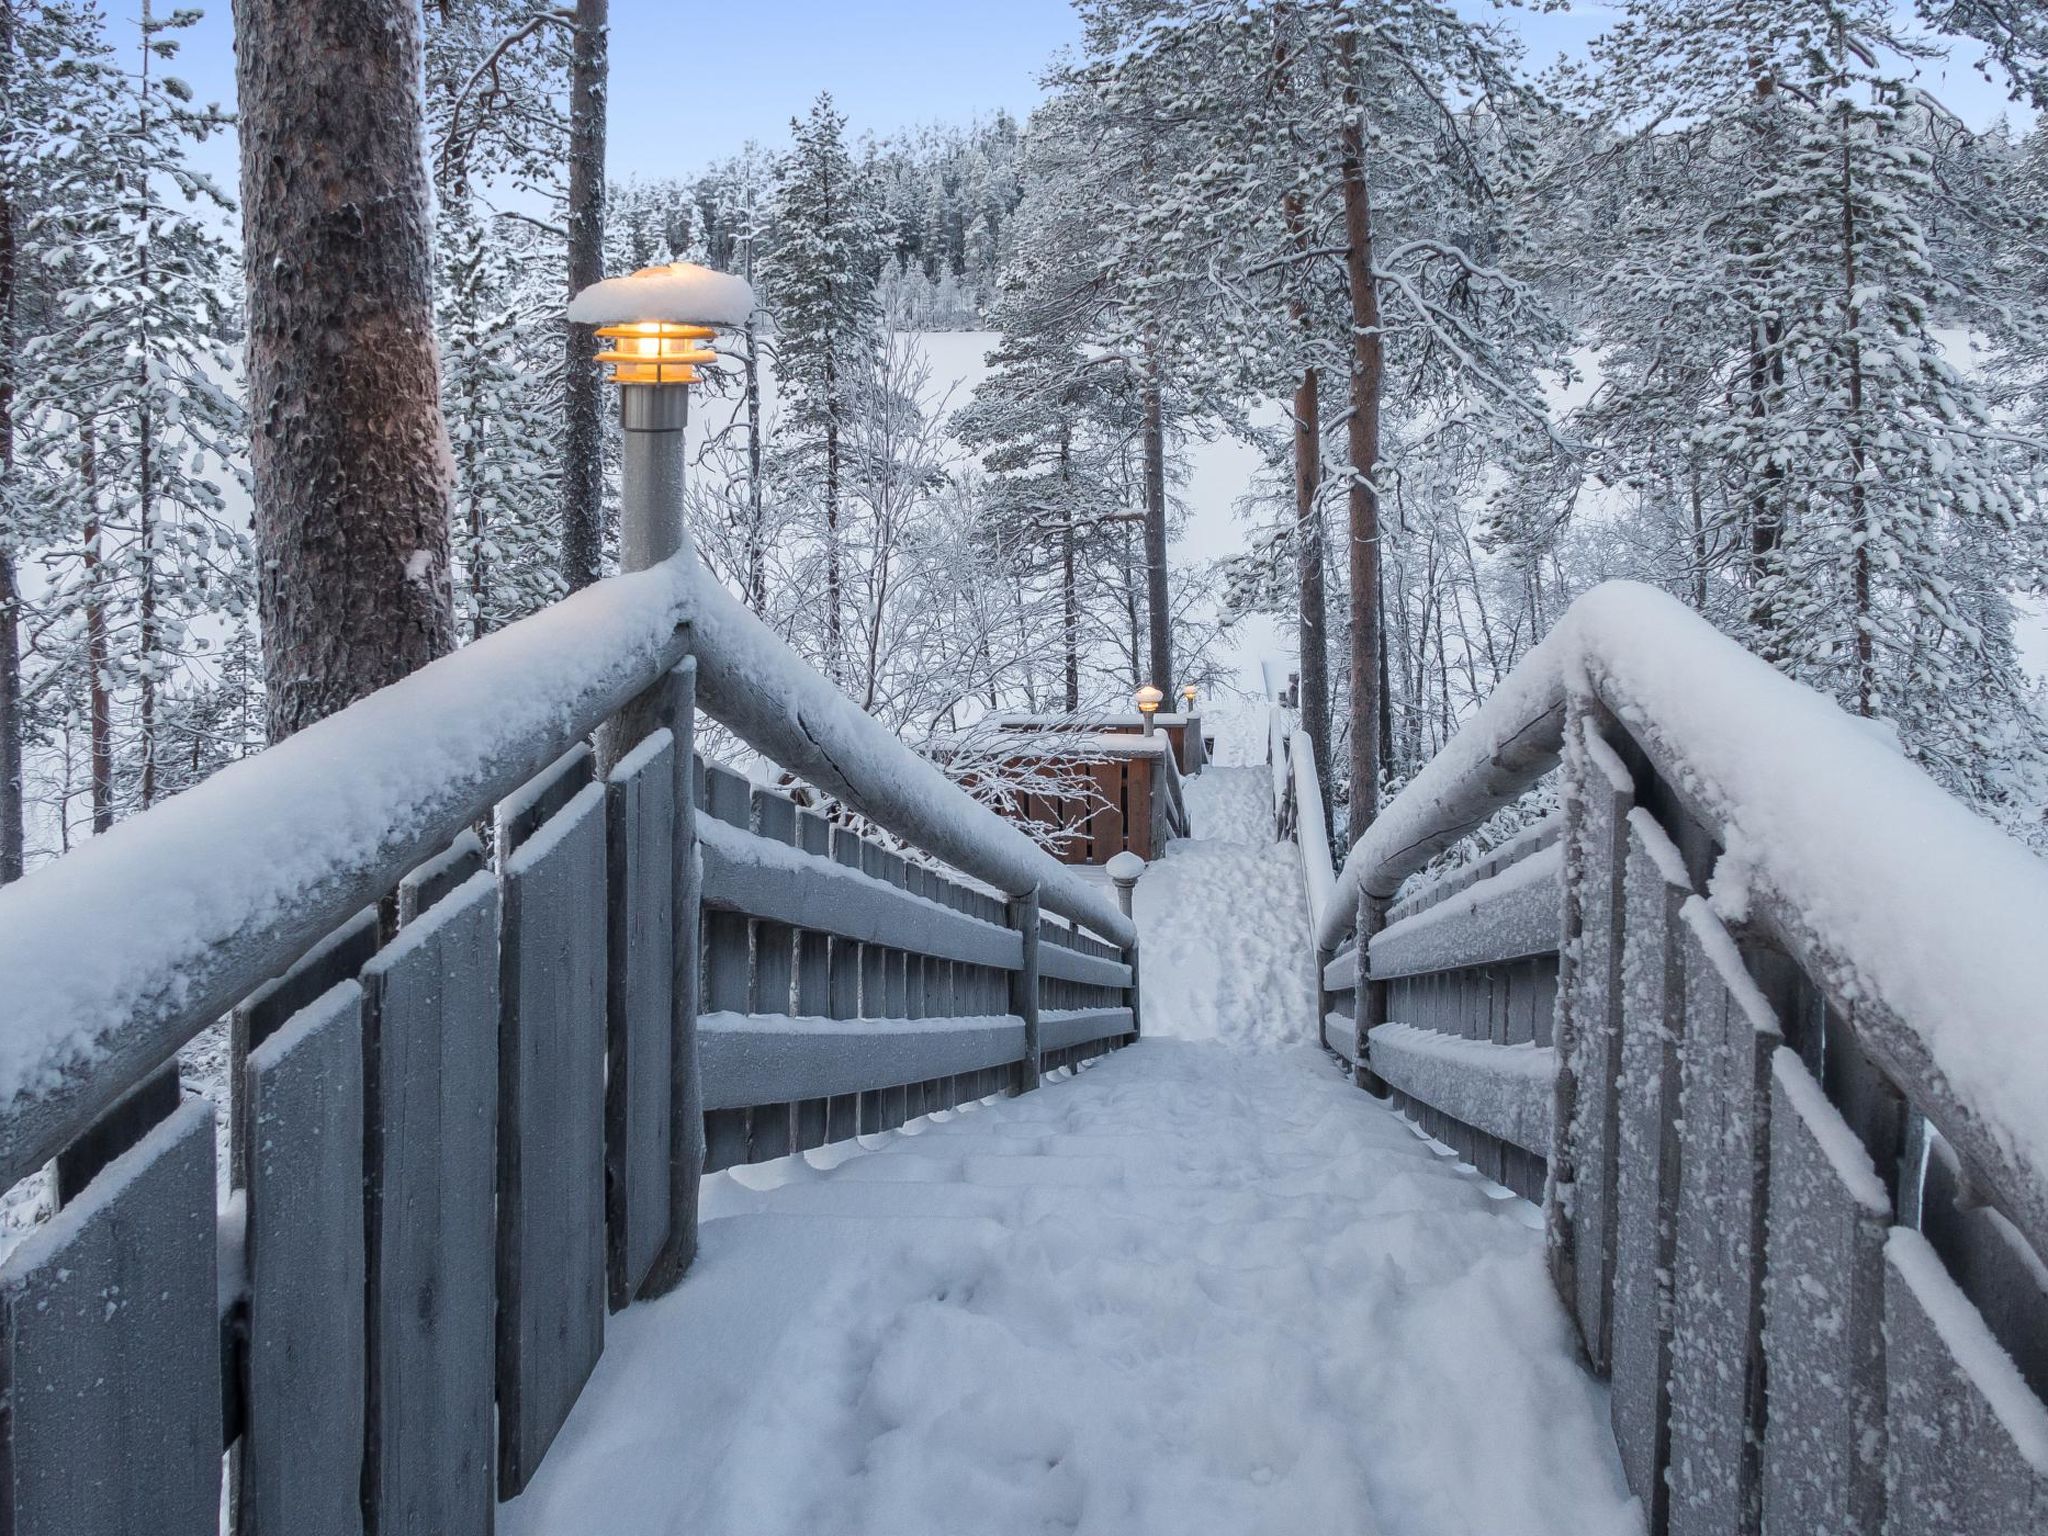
<point>819,285</point>
<point>348,448</point>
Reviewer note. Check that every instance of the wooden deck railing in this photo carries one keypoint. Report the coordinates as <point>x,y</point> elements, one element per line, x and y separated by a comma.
<point>1807,1257</point>
<point>474,1079</point>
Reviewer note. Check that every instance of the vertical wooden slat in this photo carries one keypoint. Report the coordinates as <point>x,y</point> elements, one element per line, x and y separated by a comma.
<point>639,1010</point>
<point>334,959</point>
<point>300,1470</point>
<point>430,1047</point>
<point>1025,918</point>
<point>771,1128</point>
<point>1717,1293</point>
<point>1646,1184</point>
<point>110,1349</point>
<point>728,966</point>
<point>813,950</point>
<point>551,1065</point>
<point>1823,1459</point>
<point>685,1093</point>
<point>1599,862</point>
<point>1966,1444</point>
<point>842,995</point>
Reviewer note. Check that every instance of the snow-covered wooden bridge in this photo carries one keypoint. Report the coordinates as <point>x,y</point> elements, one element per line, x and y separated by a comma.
<point>500,975</point>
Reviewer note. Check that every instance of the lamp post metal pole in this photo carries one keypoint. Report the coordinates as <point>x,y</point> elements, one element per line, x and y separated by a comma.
<point>651,473</point>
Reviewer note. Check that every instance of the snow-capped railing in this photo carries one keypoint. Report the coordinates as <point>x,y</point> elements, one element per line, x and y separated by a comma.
<point>467,1092</point>
<point>1819,1289</point>
<point>1298,808</point>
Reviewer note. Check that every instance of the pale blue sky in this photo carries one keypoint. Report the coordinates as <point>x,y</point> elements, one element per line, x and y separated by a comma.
<point>693,80</point>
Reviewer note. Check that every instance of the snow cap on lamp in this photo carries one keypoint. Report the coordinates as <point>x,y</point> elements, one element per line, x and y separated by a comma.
<point>656,318</point>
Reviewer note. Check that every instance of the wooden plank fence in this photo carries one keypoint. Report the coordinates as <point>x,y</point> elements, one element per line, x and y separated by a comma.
<point>1811,1317</point>
<point>470,1121</point>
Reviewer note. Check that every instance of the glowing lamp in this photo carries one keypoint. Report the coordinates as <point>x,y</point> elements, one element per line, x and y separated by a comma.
<point>1149,699</point>
<point>655,351</point>
<point>1187,694</point>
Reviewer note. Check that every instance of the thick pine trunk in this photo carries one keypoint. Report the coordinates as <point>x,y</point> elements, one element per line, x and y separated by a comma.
<point>757,526</point>
<point>12,818</point>
<point>1313,637</point>
<point>582,402</point>
<point>99,699</point>
<point>1363,441</point>
<point>1158,609</point>
<point>1070,605</point>
<point>1311,604</point>
<point>349,454</point>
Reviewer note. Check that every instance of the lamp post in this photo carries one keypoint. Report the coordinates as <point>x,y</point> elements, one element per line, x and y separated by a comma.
<point>654,325</point>
<point>1124,868</point>
<point>1149,699</point>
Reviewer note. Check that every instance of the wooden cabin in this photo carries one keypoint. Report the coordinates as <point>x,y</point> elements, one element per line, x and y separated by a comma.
<point>1132,796</point>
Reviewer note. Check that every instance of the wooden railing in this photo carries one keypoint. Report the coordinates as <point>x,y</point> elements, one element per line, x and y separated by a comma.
<point>1794,1190</point>
<point>474,1079</point>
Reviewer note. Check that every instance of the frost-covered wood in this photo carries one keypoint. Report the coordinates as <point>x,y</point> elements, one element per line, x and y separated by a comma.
<point>1966,1444</point>
<point>1646,1175</point>
<point>751,1060</point>
<point>301,1463</point>
<point>222,887</point>
<point>430,1049</point>
<point>793,889</point>
<point>1589,1020</point>
<point>1788,783</point>
<point>1717,1288</point>
<point>1061,1029</point>
<point>1502,1090</point>
<point>1059,962</point>
<point>639,1009</point>
<point>1823,1455</point>
<point>348,453</point>
<point>1511,915</point>
<point>551,1100</point>
<point>111,1344</point>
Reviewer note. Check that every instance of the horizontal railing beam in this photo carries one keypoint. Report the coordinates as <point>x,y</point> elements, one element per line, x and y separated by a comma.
<point>765,879</point>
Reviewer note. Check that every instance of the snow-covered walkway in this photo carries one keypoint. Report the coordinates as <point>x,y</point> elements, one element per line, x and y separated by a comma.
<point>1204,1286</point>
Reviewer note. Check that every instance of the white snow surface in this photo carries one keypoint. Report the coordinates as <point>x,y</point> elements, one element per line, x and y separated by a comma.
<point>682,293</point>
<point>1203,1286</point>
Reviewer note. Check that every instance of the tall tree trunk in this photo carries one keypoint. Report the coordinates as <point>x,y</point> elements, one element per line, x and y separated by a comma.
<point>832,572</point>
<point>12,811</point>
<point>1312,638</point>
<point>1859,452</point>
<point>1070,607</point>
<point>582,404</point>
<point>757,528</point>
<point>98,653</point>
<point>1363,443</point>
<point>1158,608</point>
<point>149,632</point>
<point>1313,626</point>
<point>348,449</point>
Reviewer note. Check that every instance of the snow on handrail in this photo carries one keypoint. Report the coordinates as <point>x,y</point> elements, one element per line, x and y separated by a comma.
<point>1311,831</point>
<point>1918,916</point>
<point>750,680</point>
<point>114,955</point>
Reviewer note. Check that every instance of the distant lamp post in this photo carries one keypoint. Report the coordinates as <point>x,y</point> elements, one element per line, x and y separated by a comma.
<point>1149,700</point>
<point>653,327</point>
<point>1187,699</point>
<point>1124,869</point>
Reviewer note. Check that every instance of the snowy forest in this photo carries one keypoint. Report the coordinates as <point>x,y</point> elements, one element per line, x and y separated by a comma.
<point>1733,304</point>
